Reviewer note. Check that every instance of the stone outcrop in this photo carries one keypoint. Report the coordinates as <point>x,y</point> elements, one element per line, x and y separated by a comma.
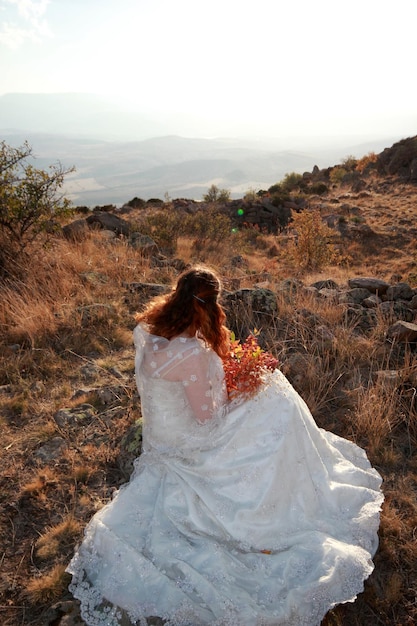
<point>400,160</point>
<point>265,213</point>
<point>367,301</point>
<point>403,331</point>
<point>370,299</point>
<point>374,285</point>
<point>109,221</point>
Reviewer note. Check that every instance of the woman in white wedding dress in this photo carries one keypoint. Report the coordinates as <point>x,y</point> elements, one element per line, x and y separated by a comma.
<point>240,513</point>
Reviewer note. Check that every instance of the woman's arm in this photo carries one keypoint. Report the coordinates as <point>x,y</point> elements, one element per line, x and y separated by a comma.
<point>197,385</point>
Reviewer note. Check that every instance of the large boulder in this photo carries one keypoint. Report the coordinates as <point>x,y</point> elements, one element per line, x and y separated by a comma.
<point>400,291</point>
<point>399,159</point>
<point>109,221</point>
<point>374,285</point>
<point>77,230</point>
<point>403,332</point>
<point>250,309</point>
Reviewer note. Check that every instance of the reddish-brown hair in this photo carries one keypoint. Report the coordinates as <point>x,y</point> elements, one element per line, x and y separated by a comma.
<point>192,306</point>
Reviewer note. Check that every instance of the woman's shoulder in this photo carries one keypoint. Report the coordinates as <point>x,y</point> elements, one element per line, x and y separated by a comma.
<point>179,344</point>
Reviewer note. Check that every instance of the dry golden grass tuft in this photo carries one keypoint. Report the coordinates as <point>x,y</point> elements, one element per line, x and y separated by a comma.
<point>39,482</point>
<point>54,539</point>
<point>66,335</point>
<point>48,587</point>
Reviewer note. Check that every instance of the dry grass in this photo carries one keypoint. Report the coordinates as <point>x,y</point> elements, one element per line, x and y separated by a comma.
<point>48,586</point>
<point>66,335</point>
<point>51,541</point>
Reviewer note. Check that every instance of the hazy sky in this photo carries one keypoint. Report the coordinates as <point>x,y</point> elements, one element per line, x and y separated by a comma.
<point>295,66</point>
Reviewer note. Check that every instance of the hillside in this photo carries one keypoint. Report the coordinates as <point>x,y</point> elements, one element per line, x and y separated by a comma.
<point>342,329</point>
<point>149,158</point>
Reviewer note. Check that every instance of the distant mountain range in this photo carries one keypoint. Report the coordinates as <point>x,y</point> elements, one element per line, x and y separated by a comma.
<point>120,154</point>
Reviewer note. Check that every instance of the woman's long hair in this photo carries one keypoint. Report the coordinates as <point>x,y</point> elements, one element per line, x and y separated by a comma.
<point>192,306</point>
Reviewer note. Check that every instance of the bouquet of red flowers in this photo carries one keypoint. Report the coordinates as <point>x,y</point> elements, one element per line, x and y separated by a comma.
<point>245,366</point>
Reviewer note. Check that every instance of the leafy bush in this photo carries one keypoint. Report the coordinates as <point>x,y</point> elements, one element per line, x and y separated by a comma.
<point>367,162</point>
<point>136,203</point>
<point>275,189</point>
<point>30,199</point>
<point>291,181</point>
<point>319,188</point>
<point>163,226</point>
<point>216,195</point>
<point>349,163</point>
<point>311,248</point>
<point>208,225</point>
<point>337,174</point>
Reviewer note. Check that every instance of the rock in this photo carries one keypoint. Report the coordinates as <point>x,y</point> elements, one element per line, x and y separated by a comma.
<point>248,309</point>
<point>324,337</point>
<point>289,287</point>
<point>403,332</point>
<point>85,391</point>
<point>64,613</point>
<point>294,367</point>
<point>108,235</point>
<point>374,285</point>
<point>81,414</point>
<point>109,395</point>
<point>89,372</point>
<point>239,261</point>
<point>372,302</point>
<point>76,231</point>
<point>325,284</point>
<point>51,450</point>
<point>150,290</point>
<point>396,311</point>
<point>354,296</point>
<point>363,231</point>
<point>328,294</point>
<point>130,447</point>
<point>144,243</point>
<point>400,291</point>
<point>108,221</point>
<point>262,301</point>
<point>399,159</point>
<point>360,318</point>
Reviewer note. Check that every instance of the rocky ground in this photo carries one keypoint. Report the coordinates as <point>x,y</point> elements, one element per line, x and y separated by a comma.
<point>70,414</point>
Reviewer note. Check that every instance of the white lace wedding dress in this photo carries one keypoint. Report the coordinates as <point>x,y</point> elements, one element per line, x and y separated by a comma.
<point>253,517</point>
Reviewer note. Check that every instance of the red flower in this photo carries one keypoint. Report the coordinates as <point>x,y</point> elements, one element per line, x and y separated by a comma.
<point>245,366</point>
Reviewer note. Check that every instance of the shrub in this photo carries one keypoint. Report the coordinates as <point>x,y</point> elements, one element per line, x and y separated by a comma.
<point>319,188</point>
<point>349,163</point>
<point>136,203</point>
<point>216,195</point>
<point>275,189</point>
<point>292,181</point>
<point>337,174</point>
<point>367,162</point>
<point>163,226</point>
<point>251,195</point>
<point>311,248</point>
<point>30,200</point>
<point>208,225</point>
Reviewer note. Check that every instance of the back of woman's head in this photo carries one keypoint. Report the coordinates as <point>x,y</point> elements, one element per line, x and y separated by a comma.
<point>193,307</point>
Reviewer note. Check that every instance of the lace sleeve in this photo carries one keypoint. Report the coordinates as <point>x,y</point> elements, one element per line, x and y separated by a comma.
<point>187,361</point>
<point>197,384</point>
